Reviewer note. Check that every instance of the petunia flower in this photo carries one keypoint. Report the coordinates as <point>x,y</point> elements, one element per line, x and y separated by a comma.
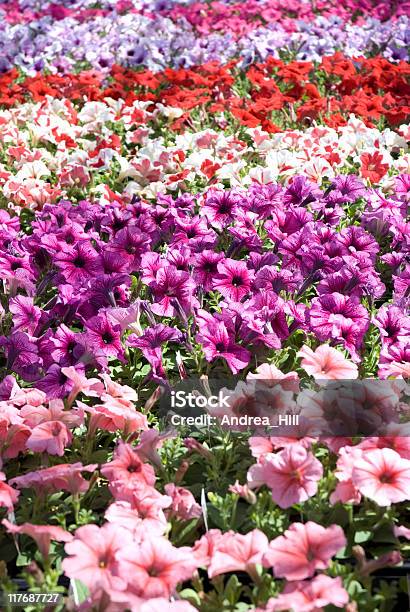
<point>217,342</point>
<point>8,495</point>
<point>292,475</point>
<point>79,263</point>
<point>310,595</point>
<point>327,363</point>
<point>233,279</point>
<point>26,314</point>
<point>383,476</point>
<point>127,469</point>
<point>183,504</point>
<point>92,556</point>
<point>156,566</point>
<point>334,316</point>
<point>171,283</point>
<point>42,534</point>
<point>206,267</point>
<point>150,343</point>
<point>50,437</point>
<point>303,549</point>
<point>63,476</point>
<point>235,552</point>
<point>104,336</point>
<point>220,207</point>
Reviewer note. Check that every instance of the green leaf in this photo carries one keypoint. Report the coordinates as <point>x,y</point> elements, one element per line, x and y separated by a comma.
<point>362,536</point>
<point>22,560</point>
<point>191,595</point>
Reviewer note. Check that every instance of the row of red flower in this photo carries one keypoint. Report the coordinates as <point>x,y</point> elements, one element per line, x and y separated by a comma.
<point>270,94</point>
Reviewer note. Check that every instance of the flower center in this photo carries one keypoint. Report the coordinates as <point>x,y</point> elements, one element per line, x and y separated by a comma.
<point>79,262</point>
<point>133,468</point>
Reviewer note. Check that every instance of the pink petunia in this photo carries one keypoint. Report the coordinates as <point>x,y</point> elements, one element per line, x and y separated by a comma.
<point>64,476</point>
<point>140,510</point>
<point>235,552</point>
<point>42,534</point>
<point>92,556</point>
<point>400,531</point>
<point>183,504</point>
<point>149,441</point>
<point>345,491</point>
<point>243,491</point>
<point>113,416</point>
<point>303,549</point>
<point>269,373</point>
<point>154,567</point>
<point>292,475</point>
<point>8,495</point>
<point>123,514</point>
<point>383,476</point>
<point>126,469</point>
<point>327,363</point>
<point>50,437</point>
<point>204,548</point>
<point>310,595</point>
<point>91,387</point>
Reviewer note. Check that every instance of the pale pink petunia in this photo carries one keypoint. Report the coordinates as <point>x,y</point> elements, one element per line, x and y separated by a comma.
<point>154,566</point>
<point>123,393</point>
<point>383,476</point>
<point>183,504</point>
<point>243,491</point>
<point>113,416</point>
<point>292,475</point>
<point>149,441</point>
<point>310,595</point>
<point>42,534</point>
<point>235,552</point>
<point>203,549</point>
<point>140,510</point>
<point>303,549</point>
<point>327,363</point>
<point>91,387</point>
<point>270,374</point>
<point>55,411</point>
<point>260,446</point>
<point>51,437</point>
<point>30,396</point>
<point>398,439</point>
<point>126,469</point>
<point>8,495</point>
<point>345,491</point>
<point>400,531</point>
<point>92,556</point>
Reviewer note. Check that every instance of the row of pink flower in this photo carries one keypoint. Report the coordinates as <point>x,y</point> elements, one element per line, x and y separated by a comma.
<point>149,568</point>
<point>236,18</point>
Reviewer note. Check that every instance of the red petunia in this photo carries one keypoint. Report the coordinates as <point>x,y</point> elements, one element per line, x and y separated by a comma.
<point>373,167</point>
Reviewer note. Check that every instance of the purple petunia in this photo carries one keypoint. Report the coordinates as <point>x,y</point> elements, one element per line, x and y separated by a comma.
<point>233,280</point>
